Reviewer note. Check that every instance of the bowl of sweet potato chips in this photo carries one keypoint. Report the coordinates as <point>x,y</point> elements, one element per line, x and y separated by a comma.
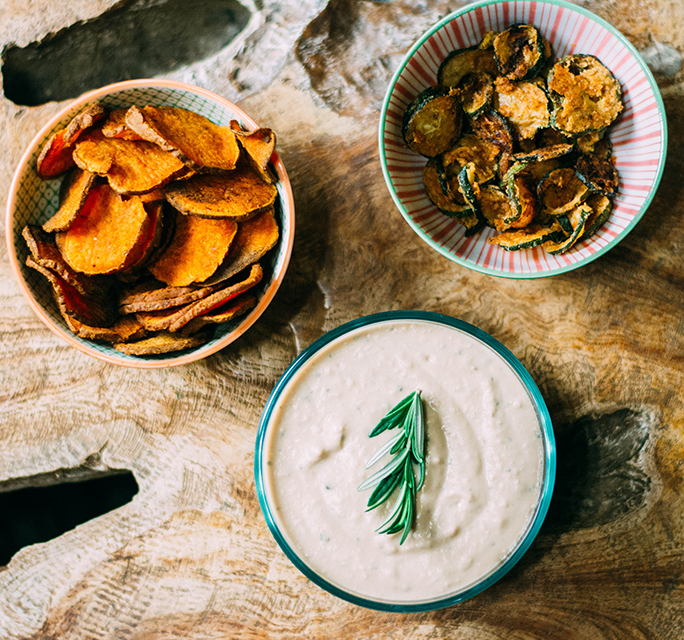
<point>150,223</point>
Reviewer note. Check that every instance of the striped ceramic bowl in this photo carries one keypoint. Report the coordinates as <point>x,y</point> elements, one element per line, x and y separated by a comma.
<point>639,136</point>
<point>33,201</point>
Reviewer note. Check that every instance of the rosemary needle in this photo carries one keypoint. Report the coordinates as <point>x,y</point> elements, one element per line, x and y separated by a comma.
<point>408,448</point>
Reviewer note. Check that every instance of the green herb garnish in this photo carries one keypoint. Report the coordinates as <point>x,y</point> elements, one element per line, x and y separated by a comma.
<point>407,448</point>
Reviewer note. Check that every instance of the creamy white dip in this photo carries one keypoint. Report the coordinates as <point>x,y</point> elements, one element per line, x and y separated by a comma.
<point>484,461</point>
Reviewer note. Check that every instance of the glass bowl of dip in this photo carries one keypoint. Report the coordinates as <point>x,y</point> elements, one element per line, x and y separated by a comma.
<point>489,473</point>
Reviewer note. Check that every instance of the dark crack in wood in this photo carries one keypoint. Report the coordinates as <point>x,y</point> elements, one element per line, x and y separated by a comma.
<point>136,39</point>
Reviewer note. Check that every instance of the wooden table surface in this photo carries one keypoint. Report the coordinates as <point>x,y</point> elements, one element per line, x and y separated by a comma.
<point>191,556</point>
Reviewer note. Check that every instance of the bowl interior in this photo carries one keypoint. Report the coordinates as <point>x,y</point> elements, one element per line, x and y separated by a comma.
<point>264,483</point>
<point>36,200</point>
<point>638,136</point>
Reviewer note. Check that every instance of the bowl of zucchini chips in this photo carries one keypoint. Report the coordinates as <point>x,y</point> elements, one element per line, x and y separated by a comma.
<point>522,139</point>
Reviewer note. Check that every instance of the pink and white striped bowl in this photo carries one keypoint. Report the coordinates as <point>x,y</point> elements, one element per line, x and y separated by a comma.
<point>639,136</point>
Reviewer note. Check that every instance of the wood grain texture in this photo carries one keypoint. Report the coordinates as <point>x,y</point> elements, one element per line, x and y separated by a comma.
<point>191,557</point>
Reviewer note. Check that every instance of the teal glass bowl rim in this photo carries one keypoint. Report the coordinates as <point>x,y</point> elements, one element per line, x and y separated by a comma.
<point>488,270</point>
<point>549,461</point>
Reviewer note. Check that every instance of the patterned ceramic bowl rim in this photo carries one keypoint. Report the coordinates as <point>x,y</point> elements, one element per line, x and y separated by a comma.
<point>286,206</point>
<point>493,260</point>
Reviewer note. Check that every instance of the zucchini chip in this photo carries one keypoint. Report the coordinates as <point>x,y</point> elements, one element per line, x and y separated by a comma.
<point>452,205</point>
<point>544,153</point>
<point>475,92</point>
<point>492,127</point>
<point>598,174</point>
<point>487,41</point>
<point>527,238</point>
<point>524,104</point>
<point>520,52</point>
<point>473,224</point>
<point>587,95</point>
<point>471,148</point>
<point>603,149</point>
<point>601,208</point>
<point>578,219</point>
<point>496,208</point>
<point>464,61</point>
<point>561,191</point>
<point>521,192</point>
<point>432,122</point>
<point>468,185</point>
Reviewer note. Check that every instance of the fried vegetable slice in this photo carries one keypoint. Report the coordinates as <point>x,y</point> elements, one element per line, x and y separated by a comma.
<point>475,92</point>
<point>259,146</point>
<point>96,310</point>
<point>464,61</point>
<point>545,153</point>
<point>198,247</point>
<point>578,218</point>
<point>45,253</point>
<point>237,195</point>
<point>561,191</point>
<point>468,186</point>
<point>601,208</point>
<point>496,208</point>
<point>471,148</point>
<point>587,95</point>
<point>432,122</point>
<point>56,155</point>
<point>521,192</point>
<point>164,299</point>
<point>109,234</point>
<point>520,52</point>
<point>131,166</point>
<point>164,342</point>
<point>225,313</point>
<point>192,138</point>
<point>435,182</point>
<point>115,126</point>
<point>156,234</point>
<point>473,223</point>
<point>598,174</point>
<point>72,196</point>
<point>254,238</point>
<point>531,236</point>
<point>124,329</point>
<point>524,104</point>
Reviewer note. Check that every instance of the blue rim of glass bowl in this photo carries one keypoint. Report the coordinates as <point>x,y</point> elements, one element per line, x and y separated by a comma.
<point>565,268</point>
<point>535,522</point>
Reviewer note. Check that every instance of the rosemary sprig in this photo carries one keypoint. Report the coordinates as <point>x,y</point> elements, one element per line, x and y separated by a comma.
<point>407,447</point>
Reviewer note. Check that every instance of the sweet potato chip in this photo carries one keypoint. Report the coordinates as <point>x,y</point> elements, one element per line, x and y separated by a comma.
<point>215,300</point>
<point>91,310</point>
<point>254,238</point>
<point>259,146</point>
<point>192,138</point>
<point>163,343</point>
<point>45,253</point>
<point>155,235</point>
<point>154,300</point>
<point>72,196</point>
<point>225,313</point>
<point>131,166</point>
<point>115,126</point>
<point>198,247</point>
<point>56,156</point>
<point>237,195</point>
<point>123,330</point>
<point>109,234</point>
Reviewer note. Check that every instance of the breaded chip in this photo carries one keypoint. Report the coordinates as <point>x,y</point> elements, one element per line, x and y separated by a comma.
<point>215,300</point>
<point>163,343</point>
<point>131,166</point>
<point>225,313</point>
<point>92,310</point>
<point>192,138</point>
<point>198,247</point>
<point>237,195</point>
<point>123,330</point>
<point>259,146</point>
<point>45,253</point>
<point>72,196</point>
<point>254,238</point>
<point>56,156</point>
<point>109,234</point>
<point>115,126</point>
